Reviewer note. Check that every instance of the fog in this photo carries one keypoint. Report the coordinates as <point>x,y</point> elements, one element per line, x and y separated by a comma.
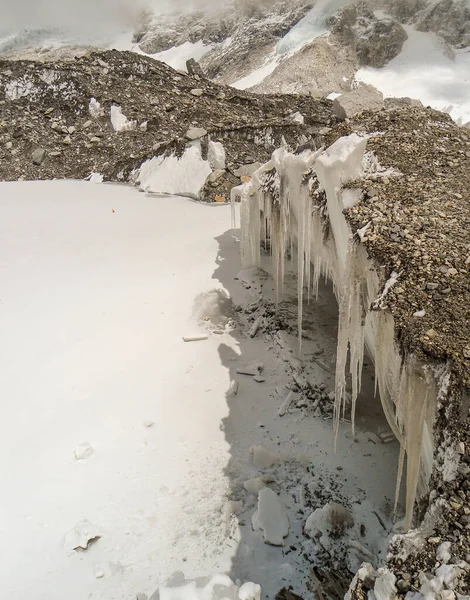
<point>85,14</point>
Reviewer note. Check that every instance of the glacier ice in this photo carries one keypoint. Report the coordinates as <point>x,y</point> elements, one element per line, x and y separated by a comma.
<point>277,208</point>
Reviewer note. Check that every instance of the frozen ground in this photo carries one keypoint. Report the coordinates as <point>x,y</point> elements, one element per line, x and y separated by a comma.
<point>100,284</point>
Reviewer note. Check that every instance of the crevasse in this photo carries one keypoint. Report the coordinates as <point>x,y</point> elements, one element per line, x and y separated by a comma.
<point>278,208</point>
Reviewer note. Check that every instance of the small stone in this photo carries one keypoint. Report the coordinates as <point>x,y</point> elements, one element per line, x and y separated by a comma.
<point>455,503</point>
<point>71,129</point>
<point>67,140</point>
<point>38,156</point>
<point>86,124</point>
<point>197,92</point>
<point>259,379</point>
<point>95,139</point>
<point>431,333</point>
<point>461,448</point>
<point>148,424</point>
<point>432,286</point>
<point>55,153</point>
<point>8,145</point>
<point>434,541</point>
<point>195,133</point>
<point>403,585</point>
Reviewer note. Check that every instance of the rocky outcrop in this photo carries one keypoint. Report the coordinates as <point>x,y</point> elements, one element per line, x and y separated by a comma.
<point>376,38</point>
<point>450,19</point>
<point>316,69</point>
<point>109,112</point>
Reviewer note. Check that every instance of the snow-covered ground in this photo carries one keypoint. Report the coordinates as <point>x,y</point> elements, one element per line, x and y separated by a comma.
<point>114,424</point>
<point>98,286</point>
<point>425,70</point>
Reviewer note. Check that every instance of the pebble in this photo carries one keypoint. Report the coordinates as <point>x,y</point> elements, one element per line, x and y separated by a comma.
<point>197,92</point>
<point>67,140</point>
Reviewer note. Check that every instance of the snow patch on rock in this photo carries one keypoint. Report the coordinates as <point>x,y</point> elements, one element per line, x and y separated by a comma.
<point>119,121</point>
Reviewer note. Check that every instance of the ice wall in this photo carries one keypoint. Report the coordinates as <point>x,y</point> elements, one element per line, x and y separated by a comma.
<point>288,201</point>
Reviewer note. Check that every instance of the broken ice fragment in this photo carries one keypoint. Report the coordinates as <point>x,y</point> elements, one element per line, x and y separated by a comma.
<point>233,389</point>
<point>83,451</point>
<point>81,536</point>
<point>286,404</point>
<point>195,338</point>
<point>249,591</point>
<point>271,517</point>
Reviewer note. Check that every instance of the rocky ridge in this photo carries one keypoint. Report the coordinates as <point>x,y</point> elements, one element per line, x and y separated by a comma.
<point>55,118</point>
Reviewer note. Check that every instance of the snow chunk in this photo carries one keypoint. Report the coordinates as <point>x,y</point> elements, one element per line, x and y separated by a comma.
<point>95,178</point>
<point>183,176</point>
<point>297,118</point>
<point>95,109</point>
<point>328,522</point>
<point>83,451</point>
<point>119,121</point>
<point>216,156</point>
<point>271,517</point>
<point>249,591</point>
<point>81,536</point>
<point>443,552</point>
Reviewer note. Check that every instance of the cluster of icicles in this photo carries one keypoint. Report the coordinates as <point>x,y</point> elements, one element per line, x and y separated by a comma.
<point>277,206</point>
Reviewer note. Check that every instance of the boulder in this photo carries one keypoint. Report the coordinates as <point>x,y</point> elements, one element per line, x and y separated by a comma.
<point>375,37</point>
<point>366,97</point>
<point>379,41</point>
<point>194,68</point>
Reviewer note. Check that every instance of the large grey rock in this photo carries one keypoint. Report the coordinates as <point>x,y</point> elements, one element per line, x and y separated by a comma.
<point>379,41</point>
<point>375,37</point>
<point>38,156</point>
<point>194,133</point>
<point>194,68</point>
<point>354,103</point>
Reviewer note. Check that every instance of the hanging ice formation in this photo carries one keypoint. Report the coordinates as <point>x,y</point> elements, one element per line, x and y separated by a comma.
<point>277,207</point>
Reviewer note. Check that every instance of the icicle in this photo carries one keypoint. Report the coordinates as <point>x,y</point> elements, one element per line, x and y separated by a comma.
<point>350,335</point>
